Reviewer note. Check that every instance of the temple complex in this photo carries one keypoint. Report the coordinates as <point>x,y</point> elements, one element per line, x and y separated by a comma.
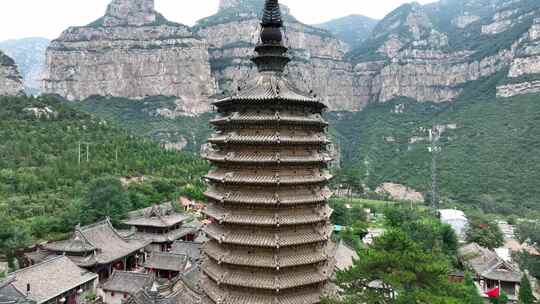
<point>161,225</point>
<point>100,248</point>
<point>269,240</point>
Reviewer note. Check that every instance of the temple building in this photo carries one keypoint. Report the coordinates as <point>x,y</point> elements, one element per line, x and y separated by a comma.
<point>161,225</point>
<point>57,280</point>
<point>122,284</point>
<point>269,236</point>
<point>190,249</point>
<point>100,248</point>
<point>11,295</point>
<point>166,265</point>
<point>490,271</point>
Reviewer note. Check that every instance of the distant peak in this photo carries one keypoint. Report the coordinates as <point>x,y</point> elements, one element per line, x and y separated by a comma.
<point>130,12</point>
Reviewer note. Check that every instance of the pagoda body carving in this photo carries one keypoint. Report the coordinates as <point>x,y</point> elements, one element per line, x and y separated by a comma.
<point>270,237</point>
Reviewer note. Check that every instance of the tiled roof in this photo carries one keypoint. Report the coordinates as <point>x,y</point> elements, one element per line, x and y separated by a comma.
<point>238,178</point>
<point>156,216</point>
<point>110,245</point>
<point>269,217</point>
<point>166,261</point>
<point>127,282</point>
<point>170,236</point>
<point>274,158</point>
<point>268,258</point>
<point>10,295</point>
<point>279,197</point>
<point>191,249</point>
<point>277,118</point>
<point>51,278</point>
<point>486,263</point>
<point>265,279</point>
<point>274,140</point>
<point>267,238</point>
<point>309,295</point>
<point>344,256</point>
<point>270,88</point>
<point>77,244</point>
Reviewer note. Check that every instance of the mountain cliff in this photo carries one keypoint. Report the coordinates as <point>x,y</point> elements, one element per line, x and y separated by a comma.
<point>318,57</point>
<point>423,52</point>
<point>10,78</point>
<point>132,52</point>
<point>428,53</point>
<point>29,54</point>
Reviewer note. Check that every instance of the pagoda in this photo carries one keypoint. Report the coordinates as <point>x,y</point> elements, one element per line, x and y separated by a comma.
<point>269,240</point>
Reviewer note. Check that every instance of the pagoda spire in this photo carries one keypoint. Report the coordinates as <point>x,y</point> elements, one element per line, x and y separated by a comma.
<point>271,52</point>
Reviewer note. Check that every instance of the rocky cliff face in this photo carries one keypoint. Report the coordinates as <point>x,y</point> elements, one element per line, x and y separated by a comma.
<point>10,79</point>
<point>29,55</point>
<point>428,53</point>
<point>524,73</point>
<point>133,52</point>
<point>424,52</point>
<point>318,57</point>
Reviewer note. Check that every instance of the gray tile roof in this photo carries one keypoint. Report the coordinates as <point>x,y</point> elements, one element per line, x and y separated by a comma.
<point>127,282</point>
<point>191,249</point>
<point>269,87</point>
<point>51,278</point>
<point>184,291</point>
<point>171,236</point>
<point>110,245</point>
<point>166,261</point>
<point>156,216</point>
<point>487,264</point>
<point>344,256</point>
<point>10,295</point>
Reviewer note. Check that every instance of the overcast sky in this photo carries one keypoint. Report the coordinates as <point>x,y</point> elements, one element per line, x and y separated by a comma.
<point>48,18</point>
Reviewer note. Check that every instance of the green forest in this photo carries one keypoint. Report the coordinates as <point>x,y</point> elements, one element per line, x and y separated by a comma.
<point>55,165</point>
<point>489,161</point>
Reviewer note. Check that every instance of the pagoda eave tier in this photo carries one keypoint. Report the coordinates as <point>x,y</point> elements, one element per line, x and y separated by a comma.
<point>269,217</point>
<point>269,279</point>
<point>268,258</point>
<point>243,119</point>
<point>268,238</point>
<point>277,198</point>
<point>273,140</point>
<point>268,180</point>
<point>309,295</point>
<point>266,159</point>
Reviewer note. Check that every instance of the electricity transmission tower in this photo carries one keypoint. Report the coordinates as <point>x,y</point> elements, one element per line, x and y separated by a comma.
<point>435,149</point>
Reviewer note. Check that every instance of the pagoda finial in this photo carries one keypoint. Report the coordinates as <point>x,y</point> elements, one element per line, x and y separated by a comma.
<point>271,51</point>
<point>271,23</point>
<point>272,14</point>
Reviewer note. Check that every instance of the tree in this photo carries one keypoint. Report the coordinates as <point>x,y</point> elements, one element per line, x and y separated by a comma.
<point>484,232</point>
<point>501,299</point>
<point>525,292</point>
<point>105,198</point>
<point>395,269</point>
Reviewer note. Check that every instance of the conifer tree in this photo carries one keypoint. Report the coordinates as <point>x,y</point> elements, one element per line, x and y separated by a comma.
<point>525,292</point>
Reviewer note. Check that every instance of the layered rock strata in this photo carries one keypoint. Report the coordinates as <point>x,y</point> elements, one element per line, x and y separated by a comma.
<point>10,79</point>
<point>133,52</point>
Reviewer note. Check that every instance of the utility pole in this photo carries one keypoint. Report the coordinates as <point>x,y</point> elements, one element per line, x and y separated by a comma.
<point>87,152</point>
<point>434,137</point>
<point>79,153</point>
